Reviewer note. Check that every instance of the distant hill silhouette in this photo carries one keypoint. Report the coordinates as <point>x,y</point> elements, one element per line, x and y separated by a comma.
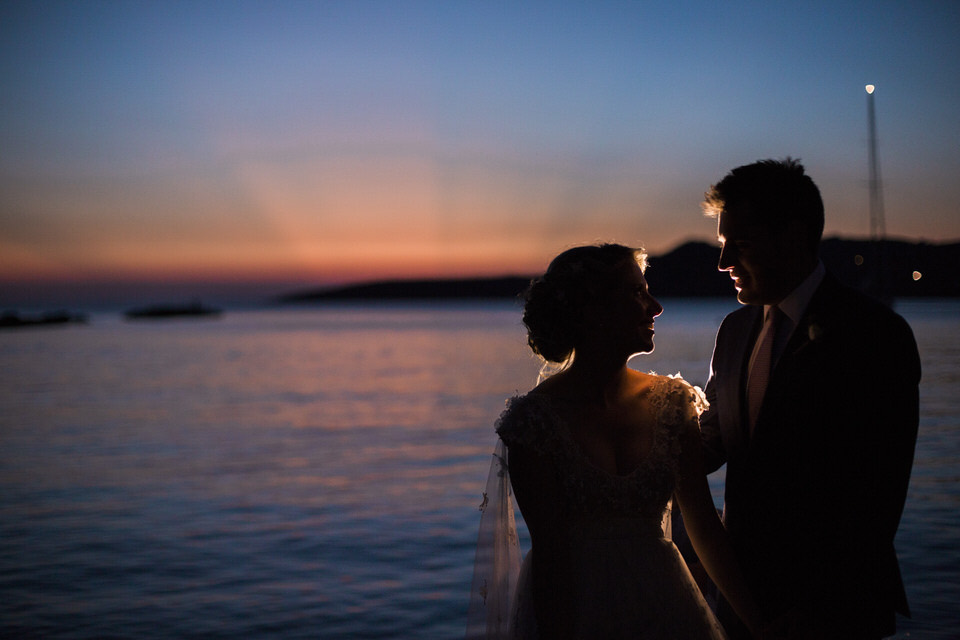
<point>690,270</point>
<point>429,289</point>
<point>938,266</point>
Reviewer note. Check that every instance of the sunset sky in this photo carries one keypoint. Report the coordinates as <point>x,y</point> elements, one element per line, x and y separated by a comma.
<point>319,142</point>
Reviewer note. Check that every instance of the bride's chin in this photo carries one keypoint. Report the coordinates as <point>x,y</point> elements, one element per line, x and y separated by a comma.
<point>642,349</point>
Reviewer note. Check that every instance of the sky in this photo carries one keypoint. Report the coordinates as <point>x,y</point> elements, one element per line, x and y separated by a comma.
<point>287,143</point>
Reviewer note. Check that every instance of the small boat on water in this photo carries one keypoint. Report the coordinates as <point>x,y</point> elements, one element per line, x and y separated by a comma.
<point>16,320</point>
<point>163,311</point>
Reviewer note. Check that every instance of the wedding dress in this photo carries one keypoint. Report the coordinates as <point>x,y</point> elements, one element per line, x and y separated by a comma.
<point>625,577</point>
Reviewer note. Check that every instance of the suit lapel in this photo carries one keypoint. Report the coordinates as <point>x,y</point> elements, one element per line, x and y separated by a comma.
<point>804,337</point>
<point>736,374</point>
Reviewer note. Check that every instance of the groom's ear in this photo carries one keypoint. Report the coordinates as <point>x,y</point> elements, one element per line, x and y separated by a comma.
<point>795,237</point>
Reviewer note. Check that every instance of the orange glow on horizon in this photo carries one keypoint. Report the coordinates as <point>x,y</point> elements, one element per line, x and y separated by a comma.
<point>322,265</point>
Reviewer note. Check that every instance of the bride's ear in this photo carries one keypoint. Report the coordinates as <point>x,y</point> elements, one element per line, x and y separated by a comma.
<point>586,321</point>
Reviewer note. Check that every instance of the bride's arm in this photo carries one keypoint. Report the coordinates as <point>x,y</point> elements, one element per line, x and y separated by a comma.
<point>707,533</point>
<point>535,487</point>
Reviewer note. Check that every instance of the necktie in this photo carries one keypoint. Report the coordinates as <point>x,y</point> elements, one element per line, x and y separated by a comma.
<point>760,369</point>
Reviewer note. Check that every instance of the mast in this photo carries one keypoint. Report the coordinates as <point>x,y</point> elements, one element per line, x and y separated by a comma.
<point>877,225</point>
<point>878,231</point>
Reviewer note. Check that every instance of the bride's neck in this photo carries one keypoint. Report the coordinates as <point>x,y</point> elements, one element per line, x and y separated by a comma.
<point>598,377</point>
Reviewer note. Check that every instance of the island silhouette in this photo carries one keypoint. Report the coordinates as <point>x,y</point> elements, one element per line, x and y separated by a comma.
<point>889,268</point>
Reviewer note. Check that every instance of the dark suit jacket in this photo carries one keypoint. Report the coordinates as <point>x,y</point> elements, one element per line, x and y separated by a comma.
<point>813,499</point>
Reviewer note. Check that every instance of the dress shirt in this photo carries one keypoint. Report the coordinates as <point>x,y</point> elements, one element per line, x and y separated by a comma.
<point>794,306</point>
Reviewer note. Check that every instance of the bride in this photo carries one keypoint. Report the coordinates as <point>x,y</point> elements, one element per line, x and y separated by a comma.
<point>594,454</point>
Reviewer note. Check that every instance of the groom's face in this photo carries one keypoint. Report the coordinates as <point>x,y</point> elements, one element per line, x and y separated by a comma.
<point>765,264</point>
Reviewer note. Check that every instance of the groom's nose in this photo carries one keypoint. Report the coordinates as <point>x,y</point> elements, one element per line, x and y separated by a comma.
<point>727,257</point>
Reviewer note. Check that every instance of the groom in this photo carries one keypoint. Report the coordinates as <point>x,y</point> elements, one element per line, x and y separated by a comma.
<point>813,395</point>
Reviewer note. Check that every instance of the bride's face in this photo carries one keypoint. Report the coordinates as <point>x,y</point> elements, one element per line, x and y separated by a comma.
<point>628,313</point>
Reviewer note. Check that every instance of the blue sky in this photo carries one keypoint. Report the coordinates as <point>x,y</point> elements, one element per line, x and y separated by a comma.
<point>330,141</point>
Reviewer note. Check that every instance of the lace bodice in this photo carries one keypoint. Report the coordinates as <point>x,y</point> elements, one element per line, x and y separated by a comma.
<point>534,421</point>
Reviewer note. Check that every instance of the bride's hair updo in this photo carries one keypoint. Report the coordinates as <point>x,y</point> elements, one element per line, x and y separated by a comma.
<point>575,280</point>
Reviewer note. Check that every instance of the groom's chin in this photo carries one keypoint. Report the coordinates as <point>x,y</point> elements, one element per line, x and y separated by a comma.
<point>746,296</point>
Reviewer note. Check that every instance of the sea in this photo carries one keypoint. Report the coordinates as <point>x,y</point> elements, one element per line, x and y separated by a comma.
<point>317,472</point>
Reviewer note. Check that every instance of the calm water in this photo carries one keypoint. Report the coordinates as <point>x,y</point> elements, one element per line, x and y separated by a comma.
<point>316,473</point>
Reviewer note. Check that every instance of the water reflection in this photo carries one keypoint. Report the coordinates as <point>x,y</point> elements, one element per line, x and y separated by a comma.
<point>276,474</point>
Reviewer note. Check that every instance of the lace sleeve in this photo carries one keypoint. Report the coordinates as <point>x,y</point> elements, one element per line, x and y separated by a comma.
<point>678,404</point>
<point>529,422</point>
<point>691,400</point>
<point>513,426</point>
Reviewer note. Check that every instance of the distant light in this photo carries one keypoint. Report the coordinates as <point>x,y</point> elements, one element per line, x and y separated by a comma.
<point>917,275</point>
<point>858,259</point>
<point>870,88</point>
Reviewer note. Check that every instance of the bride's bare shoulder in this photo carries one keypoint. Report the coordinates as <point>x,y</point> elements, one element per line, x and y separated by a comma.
<point>640,384</point>
<point>554,387</point>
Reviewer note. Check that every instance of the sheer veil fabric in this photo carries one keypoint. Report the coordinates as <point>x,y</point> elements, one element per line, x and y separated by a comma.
<point>496,568</point>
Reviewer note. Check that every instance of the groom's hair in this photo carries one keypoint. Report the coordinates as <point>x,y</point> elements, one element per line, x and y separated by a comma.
<point>778,192</point>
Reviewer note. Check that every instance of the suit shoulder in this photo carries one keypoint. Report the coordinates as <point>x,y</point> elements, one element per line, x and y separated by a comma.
<point>739,318</point>
<point>864,323</point>
<point>867,311</point>
<point>744,314</point>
